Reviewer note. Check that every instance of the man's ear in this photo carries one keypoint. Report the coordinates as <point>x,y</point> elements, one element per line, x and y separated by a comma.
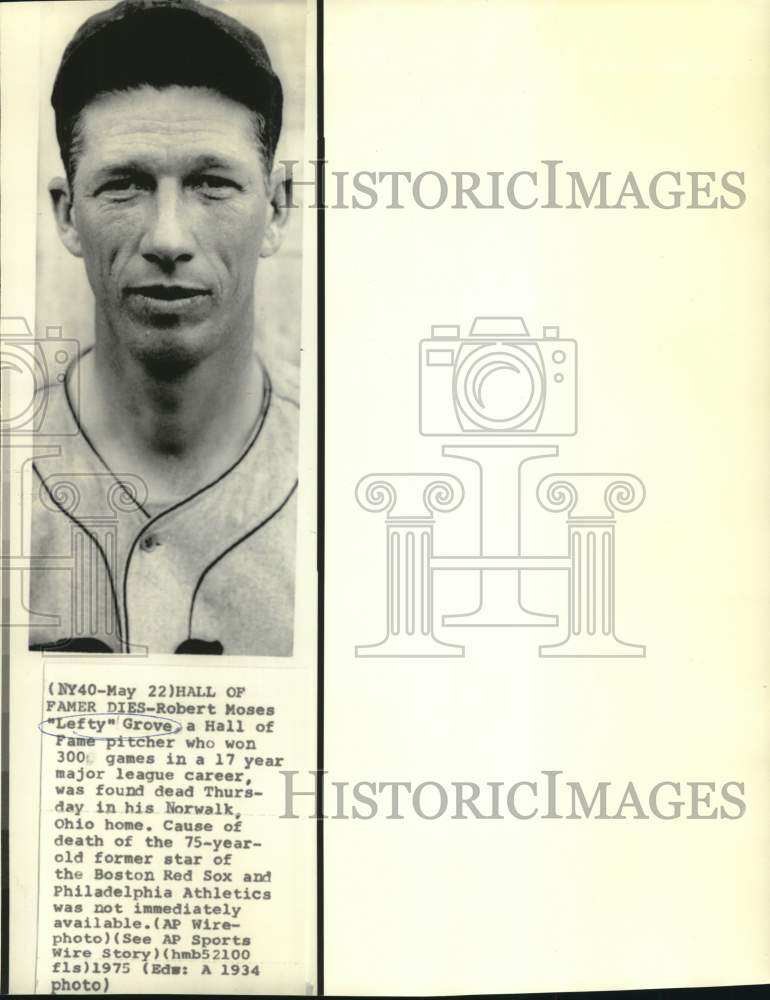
<point>61,200</point>
<point>279,198</point>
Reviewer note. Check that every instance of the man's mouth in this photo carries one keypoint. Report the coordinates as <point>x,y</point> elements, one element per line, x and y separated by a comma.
<point>169,293</point>
<point>169,304</point>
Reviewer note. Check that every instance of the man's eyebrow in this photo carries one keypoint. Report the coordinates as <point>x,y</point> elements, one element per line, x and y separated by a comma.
<point>207,161</point>
<point>213,162</point>
<point>122,167</point>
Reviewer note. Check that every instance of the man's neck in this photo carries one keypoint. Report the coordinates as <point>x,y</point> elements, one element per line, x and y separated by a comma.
<point>176,433</point>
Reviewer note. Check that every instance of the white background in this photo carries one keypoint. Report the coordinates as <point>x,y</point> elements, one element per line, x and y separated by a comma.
<point>668,312</point>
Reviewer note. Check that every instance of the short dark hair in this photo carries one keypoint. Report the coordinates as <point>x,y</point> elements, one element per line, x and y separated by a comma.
<point>162,43</point>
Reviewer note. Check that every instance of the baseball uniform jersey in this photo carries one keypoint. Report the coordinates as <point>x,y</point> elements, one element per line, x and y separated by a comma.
<point>213,573</point>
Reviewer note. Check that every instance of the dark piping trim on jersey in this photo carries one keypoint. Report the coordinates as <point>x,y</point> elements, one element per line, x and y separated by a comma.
<point>85,437</point>
<point>266,396</point>
<point>230,548</point>
<point>98,545</point>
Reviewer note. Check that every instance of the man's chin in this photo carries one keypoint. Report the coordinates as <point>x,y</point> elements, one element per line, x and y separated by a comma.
<point>170,352</point>
<point>170,364</point>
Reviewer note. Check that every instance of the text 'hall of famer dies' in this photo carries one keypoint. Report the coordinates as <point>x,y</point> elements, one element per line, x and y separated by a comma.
<point>164,494</point>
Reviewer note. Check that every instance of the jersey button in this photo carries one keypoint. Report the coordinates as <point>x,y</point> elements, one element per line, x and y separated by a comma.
<point>149,542</point>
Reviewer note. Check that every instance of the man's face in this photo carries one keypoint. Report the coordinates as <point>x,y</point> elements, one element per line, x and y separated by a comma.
<point>170,210</point>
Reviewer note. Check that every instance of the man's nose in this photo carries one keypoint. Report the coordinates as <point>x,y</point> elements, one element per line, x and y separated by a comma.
<point>168,240</point>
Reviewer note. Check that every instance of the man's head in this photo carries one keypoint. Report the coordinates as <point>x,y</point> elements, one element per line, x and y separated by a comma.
<point>167,114</point>
<point>160,43</point>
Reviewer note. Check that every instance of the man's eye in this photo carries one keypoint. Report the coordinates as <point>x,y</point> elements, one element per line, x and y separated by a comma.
<point>214,187</point>
<point>121,187</point>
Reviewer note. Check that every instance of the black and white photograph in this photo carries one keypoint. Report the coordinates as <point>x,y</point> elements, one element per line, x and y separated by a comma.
<point>168,328</point>
<point>384,497</point>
